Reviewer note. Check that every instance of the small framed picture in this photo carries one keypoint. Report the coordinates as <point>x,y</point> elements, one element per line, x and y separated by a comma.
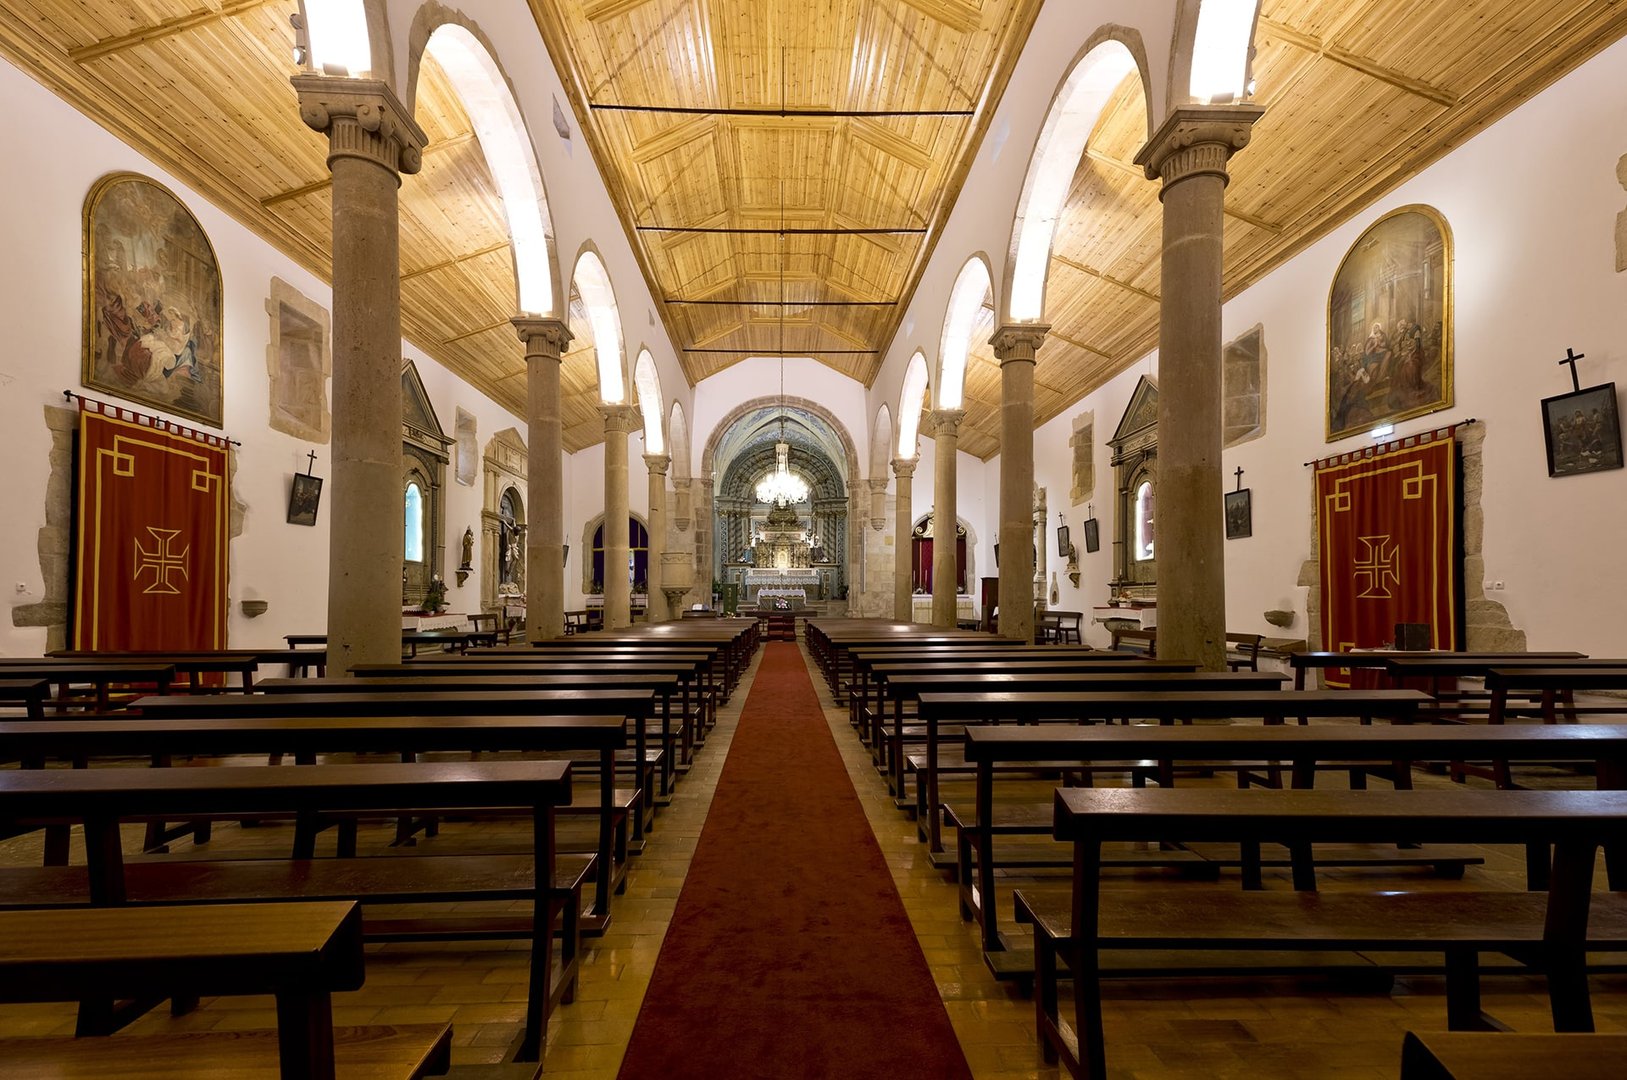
<point>1582,431</point>
<point>1239,514</point>
<point>304,499</point>
<point>1064,544</point>
<point>1093,535</point>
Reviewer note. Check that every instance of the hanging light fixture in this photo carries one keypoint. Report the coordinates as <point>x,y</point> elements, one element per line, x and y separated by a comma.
<point>782,487</point>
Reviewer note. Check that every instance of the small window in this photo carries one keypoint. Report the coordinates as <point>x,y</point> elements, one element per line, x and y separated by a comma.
<point>1144,525</point>
<point>415,524</point>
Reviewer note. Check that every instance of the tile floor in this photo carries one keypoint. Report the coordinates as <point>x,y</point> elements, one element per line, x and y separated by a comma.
<point>1169,1029</point>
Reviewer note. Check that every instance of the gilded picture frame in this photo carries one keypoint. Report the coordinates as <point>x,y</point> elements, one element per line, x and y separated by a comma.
<point>153,300</point>
<point>1389,324</point>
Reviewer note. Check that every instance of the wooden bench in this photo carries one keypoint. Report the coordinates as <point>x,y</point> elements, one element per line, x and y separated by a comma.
<point>305,738</point>
<point>1137,642</point>
<point>1550,933</point>
<point>1376,659</point>
<point>1509,1056</point>
<point>196,664</point>
<point>101,675</point>
<point>100,799</point>
<point>1061,627</point>
<point>576,622</point>
<point>299,953</point>
<point>26,694</point>
<point>1243,652</point>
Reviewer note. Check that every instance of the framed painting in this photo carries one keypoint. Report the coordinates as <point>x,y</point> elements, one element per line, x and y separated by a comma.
<point>152,300</point>
<point>1583,431</point>
<point>1239,514</point>
<point>1389,349</point>
<point>1064,545</point>
<point>304,499</point>
<point>1093,535</point>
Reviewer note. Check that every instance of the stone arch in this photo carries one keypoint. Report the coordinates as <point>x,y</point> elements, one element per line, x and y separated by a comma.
<point>678,441</point>
<point>906,559</point>
<point>1111,54</point>
<point>647,384</point>
<point>467,56</point>
<point>1212,54</point>
<point>592,281</point>
<point>974,286</point>
<point>911,400</point>
<point>586,558</point>
<point>746,408</point>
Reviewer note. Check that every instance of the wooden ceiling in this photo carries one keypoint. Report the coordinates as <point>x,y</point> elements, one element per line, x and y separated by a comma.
<point>1359,94</point>
<point>848,123</point>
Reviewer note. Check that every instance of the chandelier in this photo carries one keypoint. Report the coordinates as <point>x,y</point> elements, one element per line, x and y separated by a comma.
<point>782,487</point>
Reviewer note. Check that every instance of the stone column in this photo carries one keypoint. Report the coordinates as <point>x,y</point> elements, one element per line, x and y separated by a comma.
<point>618,423</point>
<point>1016,347</point>
<point>946,439</point>
<point>705,544</point>
<point>903,532</point>
<point>657,466</point>
<point>372,140</point>
<point>545,341</point>
<point>1189,154</point>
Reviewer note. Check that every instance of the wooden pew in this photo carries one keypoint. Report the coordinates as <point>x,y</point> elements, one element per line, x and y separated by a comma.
<point>26,694</point>
<point>1376,659</point>
<point>64,673</point>
<point>307,737</point>
<point>1552,932</point>
<point>1440,672</point>
<point>100,799</point>
<point>1555,687</point>
<point>194,664</point>
<point>1510,1056</point>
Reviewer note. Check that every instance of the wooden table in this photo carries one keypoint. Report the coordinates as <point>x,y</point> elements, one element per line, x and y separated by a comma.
<point>100,799</point>
<point>300,953</point>
<point>1553,930</point>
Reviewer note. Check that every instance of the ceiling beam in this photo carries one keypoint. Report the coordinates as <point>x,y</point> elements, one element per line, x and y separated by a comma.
<point>729,230</point>
<point>784,352</point>
<point>1078,344</point>
<point>789,114</point>
<point>1446,99</point>
<point>477,331</point>
<point>215,11</point>
<point>449,143</point>
<point>1136,171</point>
<point>779,303</point>
<point>1109,278</point>
<point>501,245</point>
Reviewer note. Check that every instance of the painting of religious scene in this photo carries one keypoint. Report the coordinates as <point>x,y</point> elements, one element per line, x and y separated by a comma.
<point>1390,324</point>
<point>152,300</point>
<point>1582,431</point>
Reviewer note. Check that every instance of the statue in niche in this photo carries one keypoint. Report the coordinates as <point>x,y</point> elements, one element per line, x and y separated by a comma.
<point>468,550</point>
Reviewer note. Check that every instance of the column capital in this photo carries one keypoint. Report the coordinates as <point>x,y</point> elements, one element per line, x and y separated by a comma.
<point>904,468</point>
<point>657,463</point>
<point>1018,342</point>
<point>877,484</point>
<point>618,417</point>
<point>682,483</point>
<point>1197,140</point>
<point>545,339</point>
<point>947,422</point>
<point>362,118</point>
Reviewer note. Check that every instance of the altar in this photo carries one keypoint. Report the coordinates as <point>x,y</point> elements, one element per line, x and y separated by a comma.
<point>788,582</point>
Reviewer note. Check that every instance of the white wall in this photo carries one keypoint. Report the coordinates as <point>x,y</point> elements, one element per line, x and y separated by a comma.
<point>1532,204</point>
<point>55,156</point>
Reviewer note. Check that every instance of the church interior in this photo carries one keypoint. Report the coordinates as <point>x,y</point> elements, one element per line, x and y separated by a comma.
<point>516,551</point>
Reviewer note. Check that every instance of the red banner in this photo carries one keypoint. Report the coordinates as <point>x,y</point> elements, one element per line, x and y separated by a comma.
<point>154,522</point>
<point>1387,530</point>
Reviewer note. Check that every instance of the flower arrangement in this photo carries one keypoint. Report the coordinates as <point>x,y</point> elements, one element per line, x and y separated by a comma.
<point>434,595</point>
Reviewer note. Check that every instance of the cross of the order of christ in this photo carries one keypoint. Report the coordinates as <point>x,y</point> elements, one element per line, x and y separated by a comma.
<point>1571,356</point>
<point>310,468</point>
<point>1240,478</point>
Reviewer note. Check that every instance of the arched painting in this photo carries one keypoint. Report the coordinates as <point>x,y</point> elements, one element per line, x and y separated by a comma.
<point>1390,324</point>
<point>152,300</point>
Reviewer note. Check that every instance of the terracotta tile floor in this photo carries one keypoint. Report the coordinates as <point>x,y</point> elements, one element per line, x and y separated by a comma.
<point>1155,1028</point>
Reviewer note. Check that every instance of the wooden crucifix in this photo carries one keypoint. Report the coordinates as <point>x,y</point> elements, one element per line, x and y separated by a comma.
<point>1571,356</point>
<point>1240,478</point>
<point>311,466</point>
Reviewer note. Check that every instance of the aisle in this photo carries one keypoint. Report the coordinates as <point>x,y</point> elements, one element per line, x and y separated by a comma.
<point>790,954</point>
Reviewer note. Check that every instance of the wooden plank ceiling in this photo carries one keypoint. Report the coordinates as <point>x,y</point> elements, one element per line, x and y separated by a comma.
<point>1359,94</point>
<point>849,124</point>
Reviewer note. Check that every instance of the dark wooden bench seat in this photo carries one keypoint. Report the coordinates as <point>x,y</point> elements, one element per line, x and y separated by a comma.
<point>100,799</point>
<point>1509,1056</point>
<point>1552,932</point>
<point>101,676</point>
<point>26,694</point>
<point>379,1052</point>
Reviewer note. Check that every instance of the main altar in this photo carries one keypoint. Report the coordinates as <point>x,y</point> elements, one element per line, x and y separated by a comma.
<point>782,556</point>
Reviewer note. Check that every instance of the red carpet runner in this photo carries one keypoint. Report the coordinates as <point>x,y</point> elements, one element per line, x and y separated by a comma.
<point>789,954</point>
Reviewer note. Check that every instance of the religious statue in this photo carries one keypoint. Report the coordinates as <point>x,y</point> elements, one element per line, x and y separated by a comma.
<point>468,550</point>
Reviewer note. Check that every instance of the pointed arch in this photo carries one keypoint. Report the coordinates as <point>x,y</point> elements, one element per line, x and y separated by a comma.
<point>972,290</point>
<point>881,443</point>
<point>592,281</point>
<point>678,440</point>
<point>647,382</point>
<point>910,403</point>
<point>1111,55</point>
<point>464,54</point>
